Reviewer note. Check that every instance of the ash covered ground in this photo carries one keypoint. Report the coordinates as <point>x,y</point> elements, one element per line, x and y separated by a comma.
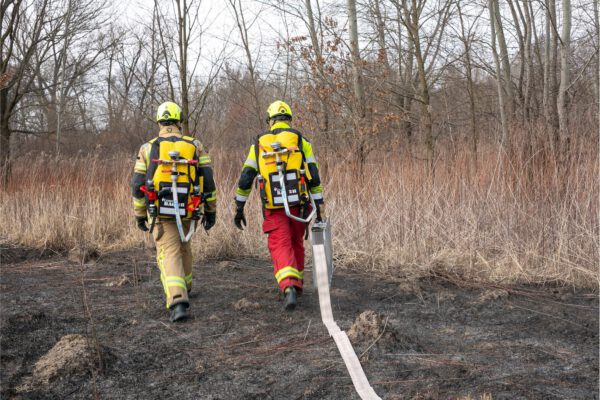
<point>100,330</point>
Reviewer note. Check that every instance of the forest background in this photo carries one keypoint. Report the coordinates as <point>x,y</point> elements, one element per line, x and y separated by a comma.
<point>455,137</point>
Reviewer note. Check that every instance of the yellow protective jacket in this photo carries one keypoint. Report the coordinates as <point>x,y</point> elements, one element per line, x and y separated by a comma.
<point>303,159</point>
<point>142,164</point>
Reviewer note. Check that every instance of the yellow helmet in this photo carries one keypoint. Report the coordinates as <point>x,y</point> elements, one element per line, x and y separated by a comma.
<point>278,109</point>
<point>168,111</point>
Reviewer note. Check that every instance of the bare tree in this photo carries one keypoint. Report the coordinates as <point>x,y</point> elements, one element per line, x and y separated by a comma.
<point>243,28</point>
<point>501,103</point>
<point>319,63</point>
<point>466,37</point>
<point>597,30</point>
<point>423,51</point>
<point>550,86</point>
<point>565,81</point>
<point>357,74</point>
<point>22,37</point>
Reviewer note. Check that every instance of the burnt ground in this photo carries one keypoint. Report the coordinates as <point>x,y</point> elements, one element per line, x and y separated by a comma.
<point>439,340</point>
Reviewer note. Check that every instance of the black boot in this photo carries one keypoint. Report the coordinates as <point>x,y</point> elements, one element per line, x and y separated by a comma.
<point>179,312</point>
<point>289,303</point>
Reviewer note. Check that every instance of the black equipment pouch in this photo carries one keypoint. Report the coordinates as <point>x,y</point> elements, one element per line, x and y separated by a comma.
<point>166,207</point>
<point>291,188</point>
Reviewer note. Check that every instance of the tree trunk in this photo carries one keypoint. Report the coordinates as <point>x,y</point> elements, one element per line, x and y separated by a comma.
<point>565,76</point>
<point>517,19</point>
<point>504,60</point>
<point>597,74</point>
<point>405,78</point>
<point>5,134</point>
<point>320,64</point>
<point>61,87</point>
<point>243,29</point>
<point>357,78</point>
<point>359,89</point>
<point>426,117</point>
<point>550,90</point>
<point>182,15</point>
<point>528,60</point>
<point>493,25</point>
<point>597,26</point>
<point>470,87</point>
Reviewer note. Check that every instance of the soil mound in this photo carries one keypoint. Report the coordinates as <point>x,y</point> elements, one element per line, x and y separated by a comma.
<point>70,356</point>
<point>370,326</point>
<point>373,329</point>
<point>245,305</point>
<point>81,254</point>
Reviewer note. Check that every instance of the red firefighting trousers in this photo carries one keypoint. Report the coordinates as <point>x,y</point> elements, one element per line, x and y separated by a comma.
<point>286,244</point>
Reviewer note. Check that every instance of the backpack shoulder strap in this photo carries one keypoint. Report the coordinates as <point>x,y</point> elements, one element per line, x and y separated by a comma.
<point>256,151</point>
<point>154,153</point>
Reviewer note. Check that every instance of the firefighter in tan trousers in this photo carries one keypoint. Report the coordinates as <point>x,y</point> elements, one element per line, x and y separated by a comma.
<point>174,256</point>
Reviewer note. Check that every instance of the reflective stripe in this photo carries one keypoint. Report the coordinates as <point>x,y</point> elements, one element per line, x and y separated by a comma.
<point>171,211</point>
<point>141,202</point>
<point>250,163</point>
<point>146,150</point>
<point>213,197</point>
<point>291,175</point>
<point>140,166</point>
<point>204,160</point>
<point>176,281</point>
<point>188,278</point>
<point>160,261</point>
<point>291,199</point>
<point>287,272</point>
<point>243,192</point>
<point>239,197</point>
<point>317,196</point>
<point>311,159</point>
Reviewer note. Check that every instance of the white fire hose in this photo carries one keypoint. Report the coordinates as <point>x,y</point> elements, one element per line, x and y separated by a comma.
<point>322,276</point>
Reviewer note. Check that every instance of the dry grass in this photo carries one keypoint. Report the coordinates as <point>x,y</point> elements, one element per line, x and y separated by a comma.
<point>522,220</point>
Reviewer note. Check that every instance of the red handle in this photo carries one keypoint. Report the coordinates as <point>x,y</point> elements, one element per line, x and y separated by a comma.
<point>151,194</point>
<point>194,203</point>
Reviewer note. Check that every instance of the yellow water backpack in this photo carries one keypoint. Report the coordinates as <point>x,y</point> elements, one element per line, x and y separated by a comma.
<point>162,169</point>
<point>285,145</point>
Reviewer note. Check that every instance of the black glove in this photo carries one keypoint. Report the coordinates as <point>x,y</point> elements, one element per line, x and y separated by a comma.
<point>141,223</point>
<point>208,220</point>
<point>240,219</point>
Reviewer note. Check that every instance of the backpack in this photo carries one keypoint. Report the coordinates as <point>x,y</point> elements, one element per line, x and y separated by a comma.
<point>160,172</point>
<point>287,143</point>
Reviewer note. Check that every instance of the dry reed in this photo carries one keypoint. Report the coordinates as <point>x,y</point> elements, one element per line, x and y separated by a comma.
<point>512,220</point>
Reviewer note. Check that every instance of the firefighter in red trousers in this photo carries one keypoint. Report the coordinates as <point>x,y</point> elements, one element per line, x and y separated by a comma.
<point>286,236</point>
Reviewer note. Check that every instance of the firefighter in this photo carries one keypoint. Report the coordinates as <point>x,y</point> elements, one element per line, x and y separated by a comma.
<point>151,186</point>
<point>285,235</point>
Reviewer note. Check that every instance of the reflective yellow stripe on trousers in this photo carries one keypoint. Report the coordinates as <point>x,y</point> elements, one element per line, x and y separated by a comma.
<point>288,272</point>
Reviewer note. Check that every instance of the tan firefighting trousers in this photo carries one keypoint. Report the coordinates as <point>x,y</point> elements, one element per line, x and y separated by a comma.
<point>174,261</point>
